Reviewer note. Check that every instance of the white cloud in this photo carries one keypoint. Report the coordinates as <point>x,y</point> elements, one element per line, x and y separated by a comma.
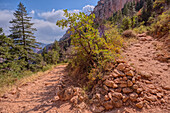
<point>32,12</point>
<point>53,15</point>
<point>47,30</point>
<point>88,9</point>
<point>6,16</point>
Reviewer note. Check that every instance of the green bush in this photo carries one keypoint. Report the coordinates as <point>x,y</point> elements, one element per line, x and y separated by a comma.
<point>161,26</point>
<point>91,52</point>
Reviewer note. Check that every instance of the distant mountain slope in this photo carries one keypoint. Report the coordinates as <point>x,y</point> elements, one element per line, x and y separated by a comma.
<point>106,8</point>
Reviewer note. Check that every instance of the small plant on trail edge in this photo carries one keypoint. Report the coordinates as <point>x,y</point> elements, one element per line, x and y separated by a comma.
<point>91,53</point>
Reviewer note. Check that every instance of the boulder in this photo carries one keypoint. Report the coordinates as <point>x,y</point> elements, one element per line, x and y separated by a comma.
<point>123,85</point>
<point>129,83</point>
<point>119,72</point>
<point>106,97</point>
<point>145,74</point>
<point>109,83</point>
<point>133,96</point>
<point>135,86</point>
<point>140,104</point>
<point>96,109</point>
<point>127,90</point>
<point>141,35</point>
<point>117,95</point>
<point>125,98</point>
<point>139,90</point>
<point>121,67</point>
<point>152,98</point>
<point>74,100</point>
<point>66,94</point>
<point>108,105</point>
<point>130,73</point>
<point>105,87</point>
<point>118,103</point>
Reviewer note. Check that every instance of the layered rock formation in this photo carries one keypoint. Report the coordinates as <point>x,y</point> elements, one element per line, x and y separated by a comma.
<point>106,8</point>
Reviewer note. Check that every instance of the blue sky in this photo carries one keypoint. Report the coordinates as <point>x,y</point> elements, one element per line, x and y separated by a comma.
<point>45,13</point>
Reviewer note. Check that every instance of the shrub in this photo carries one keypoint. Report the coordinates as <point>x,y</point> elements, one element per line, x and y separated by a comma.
<point>128,34</point>
<point>161,26</point>
<point>126,23</point>
<point>91,52</point>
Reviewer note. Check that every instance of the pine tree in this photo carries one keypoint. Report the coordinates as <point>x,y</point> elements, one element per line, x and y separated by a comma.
<point>5,52</point>
<point>23,36</point>
<point>125,10</point>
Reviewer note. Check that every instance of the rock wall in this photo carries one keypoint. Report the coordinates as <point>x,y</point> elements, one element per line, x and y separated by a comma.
<point>106,8</point>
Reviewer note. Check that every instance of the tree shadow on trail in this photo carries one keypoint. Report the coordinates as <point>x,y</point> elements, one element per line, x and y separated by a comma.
<point>47,98</point>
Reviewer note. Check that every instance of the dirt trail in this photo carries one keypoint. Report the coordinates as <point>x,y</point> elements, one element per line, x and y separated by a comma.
<point>38,96</point>
<point>142,55</point>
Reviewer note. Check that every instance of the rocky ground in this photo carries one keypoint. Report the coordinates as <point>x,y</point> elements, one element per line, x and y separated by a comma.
<point>139,83</point>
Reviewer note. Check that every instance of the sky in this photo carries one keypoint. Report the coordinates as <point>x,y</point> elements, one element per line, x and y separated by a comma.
<point>45,14</point>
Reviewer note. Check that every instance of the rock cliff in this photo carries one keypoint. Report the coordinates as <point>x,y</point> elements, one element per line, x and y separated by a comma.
<point>106,8</point>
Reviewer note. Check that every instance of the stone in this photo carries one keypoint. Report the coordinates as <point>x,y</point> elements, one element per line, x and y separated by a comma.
<point>125,98</point>
<point>114,74</point>
<point>66,94</point>
<point>159,89</point>
<point>82,105</point>
<point>163,100</point>
<point>127,90</point>
<point>130,73</point>
<point>123,85</point>
<point>166,87</point>
<point>140,104</point>
<point>133,80</point>
<point>115,85</point>
<point>81,98</point>
<point>74,100</point>
<point>153,91</point>
<point>124,78</point>
<point>133,96</point>
<point>135,86</point>
<point>121,67</point>
<point>140,99</point>
<point>118,90</point>
<point>141,35</point>
<point>117,80</point>
<point>159,95</point>
<point>5,96</point>
<point>106,97</point>
<point>108,105</point>
<point>142,38</point>
<point>118,103</point>
<point>126,69</point>
<point>117,95</point>
<point>14,91</point>
<point>129,83</point>
<point>97,109</point>
<point>110,95</point>
<point>139,90</point>
<point>149,38</point>
<point>105,87</point>
<point>98,96</point>
<point>145,74</point>
<point>152,98</point>
<point>120,61</point>
<point>119,72</point>
<point>105,77</point>
<point>109,83</point>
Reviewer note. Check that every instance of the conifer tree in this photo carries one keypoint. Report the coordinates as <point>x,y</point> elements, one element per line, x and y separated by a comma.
<point>23,35</point>
<point>5,52</point>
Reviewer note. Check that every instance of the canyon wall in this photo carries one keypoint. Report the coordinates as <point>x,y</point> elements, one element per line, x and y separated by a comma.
<point>106,8</point>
